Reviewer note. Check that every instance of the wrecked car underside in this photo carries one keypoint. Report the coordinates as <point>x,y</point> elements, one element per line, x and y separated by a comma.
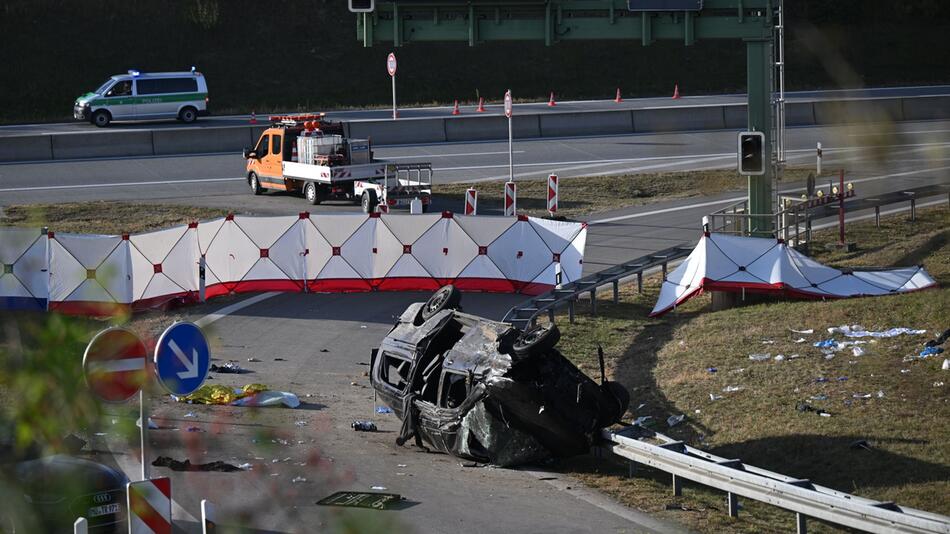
<point>485,391</point>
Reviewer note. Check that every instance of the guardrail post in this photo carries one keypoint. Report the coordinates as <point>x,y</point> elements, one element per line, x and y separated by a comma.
<point>664,271</point>
<point>616,292</point>
<point>800,527</point>
<point>570,310</point>
<point>877,216</point>
<point>640,282</point>
<point>913,210</point>
<point>593,302</point>
<point>631,468</point>
<point>551,314</point>
<point>732,503</point>
<point>677,486</point>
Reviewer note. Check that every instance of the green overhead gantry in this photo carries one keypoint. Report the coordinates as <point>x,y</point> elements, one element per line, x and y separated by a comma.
<point>757,22</point>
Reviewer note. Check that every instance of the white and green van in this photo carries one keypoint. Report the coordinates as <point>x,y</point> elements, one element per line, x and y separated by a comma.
<point>137,95</point>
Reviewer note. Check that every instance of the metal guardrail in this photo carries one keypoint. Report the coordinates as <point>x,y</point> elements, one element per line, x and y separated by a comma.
<point>804,498</point>
<point>527,312</point>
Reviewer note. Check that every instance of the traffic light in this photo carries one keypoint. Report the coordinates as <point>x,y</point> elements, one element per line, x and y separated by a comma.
<point>752,153</point>
<point>362,6</point>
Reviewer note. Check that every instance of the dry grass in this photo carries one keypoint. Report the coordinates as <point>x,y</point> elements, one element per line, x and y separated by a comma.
<point>589,194</point>
<point>664,362</point>
<point>105,217</point>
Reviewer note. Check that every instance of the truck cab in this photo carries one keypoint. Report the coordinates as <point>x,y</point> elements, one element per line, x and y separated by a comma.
<point>310,155</point>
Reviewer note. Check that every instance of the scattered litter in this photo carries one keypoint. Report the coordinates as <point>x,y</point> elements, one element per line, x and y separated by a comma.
<point>760,357</point>
<point>641,406</point>
<point>821,379</point>
<point>362,326</point>
<point>300,423</point>
<point>194,429</point>
<point>697,410</point>
<point>674,420</point>
<point>739,370</point>
<point>842,379</point>
<point>793,356</point>
<point>939,340</point>
<point>909,359</point>
<point>711,369</point>
<point>360,499</point>
<point>858,351</point>
<point>178,465</point>
<point>938,384</point>
<point>642,420</point>
<point>100,433</point>
<point>324,350</point>
<point>805,407</point>
<point>253,360</point>
<point>190,414</point>
<point>731,389</point>
<point>880,393</point>
<point>401,465</point>
<point>829,356</point>
<point>384,409</point>
<point>905,371</point>
<point>714,397</point>
<point>378,488</point>
<point>279,360</point>
<point>859,331</point>
<point>825,344</point>
<point>946,365</point>
<point>779,357</point>
<point>930,351</point>
<point>249,395</point>
<point>363,426</point>
<point>246,467</point>
<point>861,396</point>
<point>768,342</point>
<point>152,425</point>
<point>799,340</point>
<point>861,444</point>
<point>228,368</point>
<point>809,331</point>
<point>298,480</point>
<point>820,397</point>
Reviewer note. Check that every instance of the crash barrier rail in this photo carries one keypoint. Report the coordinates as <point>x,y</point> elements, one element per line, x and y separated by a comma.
<point>794,223</point>
<point>804,498</point>
<point>526,313</point>
<point>208,139</point>
<point>102,275</point>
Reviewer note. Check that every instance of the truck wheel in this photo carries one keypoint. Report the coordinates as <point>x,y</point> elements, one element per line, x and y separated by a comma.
<point>255,184</point>
<point>312,194</point>
<point>540,338</point>
<point>369,201</point>
<point>188,114</point>
<point>101,118</point>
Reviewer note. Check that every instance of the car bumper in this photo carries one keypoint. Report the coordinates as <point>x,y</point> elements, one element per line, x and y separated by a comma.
<point>81,113</point>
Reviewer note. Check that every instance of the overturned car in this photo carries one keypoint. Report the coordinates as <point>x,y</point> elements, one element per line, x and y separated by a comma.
<point>486,391</point>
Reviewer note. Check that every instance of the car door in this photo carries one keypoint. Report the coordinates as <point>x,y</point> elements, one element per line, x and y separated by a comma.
<point>120,100</point>
<point>272,163</point>
<point>148,97</point>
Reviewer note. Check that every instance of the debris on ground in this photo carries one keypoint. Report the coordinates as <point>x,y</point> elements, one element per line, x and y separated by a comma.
<point>761,357</point>
<point>938,384</point>
<point>384,409</point>
<point>228,368</point>
<point>363,426</point>
<point>711,369</point>
<point>946,365</point>
<point>178,465</point>
<point>361,499</point>
<point>858,351</point>
<point>809,331</point>
<point>298,480</point>
<point>713,397</point>
<point>779,357</point>
<point>257,395</point>
<point>378,488</point>
<point>674,420</point>
<point>861,444</point>
<point>930,351</point>
<point>642,420</point>
<point>799,340</point>
<point>731,389</point>
<point>860,331</point>
<point>253,360</point>
<point>939,340</point>
<point>819,397</point>
<point>805,407</point>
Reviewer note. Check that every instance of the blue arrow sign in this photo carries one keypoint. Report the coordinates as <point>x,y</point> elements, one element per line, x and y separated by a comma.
<point>182,358</point>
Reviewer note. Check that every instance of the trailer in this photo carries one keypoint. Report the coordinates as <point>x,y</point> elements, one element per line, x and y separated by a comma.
<point>309,155</point>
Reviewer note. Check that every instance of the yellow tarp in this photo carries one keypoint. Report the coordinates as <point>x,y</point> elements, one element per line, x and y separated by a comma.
<point>222,394</point>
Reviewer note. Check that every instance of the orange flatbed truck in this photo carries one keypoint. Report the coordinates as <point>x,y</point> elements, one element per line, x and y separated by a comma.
<point>309,155</point>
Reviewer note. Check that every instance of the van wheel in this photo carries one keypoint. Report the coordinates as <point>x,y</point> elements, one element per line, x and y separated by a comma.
<point>255,184</point>
<point>312,193</point>
<point>369,201</point>
<point>101,118</point>
<point>188,115</point>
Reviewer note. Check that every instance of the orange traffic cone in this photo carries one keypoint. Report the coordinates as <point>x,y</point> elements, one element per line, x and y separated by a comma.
<point>618,99</point>
<point>481,105</point>
<point>455,111</point>
<point>551,102</point>
<point>253,118</point>
<point>676,91</point>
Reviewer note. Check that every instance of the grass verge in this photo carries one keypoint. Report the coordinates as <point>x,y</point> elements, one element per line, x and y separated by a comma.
<point>105,217</point>
<point>665,363</point>
<point>591,194</point>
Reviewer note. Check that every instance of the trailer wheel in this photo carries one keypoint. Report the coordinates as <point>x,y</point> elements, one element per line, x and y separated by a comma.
<point>369,201</point>
<point>254,183</point>
<point>312,193</point>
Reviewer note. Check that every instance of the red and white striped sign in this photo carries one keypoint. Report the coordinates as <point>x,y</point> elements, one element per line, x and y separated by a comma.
<point>511,199</point>
<point>150,506</point>
<point>552,194</point>
<point>471,201</point>
<point>114,364</point>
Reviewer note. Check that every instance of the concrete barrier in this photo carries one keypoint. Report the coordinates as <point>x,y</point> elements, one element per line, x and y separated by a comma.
<point>585,123</point>
<point>926,107</point>
<point>858,111</point>
<point>402,131</point>
<point>202,140</point>
<point>678,119</point>
<point>799,114</point>
<point>735,116</point>
<point>102,144</point>
<point>26,148</point>
<point>491,127</point>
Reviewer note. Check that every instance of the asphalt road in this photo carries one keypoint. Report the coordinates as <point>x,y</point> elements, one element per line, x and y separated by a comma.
<point>495,108</point>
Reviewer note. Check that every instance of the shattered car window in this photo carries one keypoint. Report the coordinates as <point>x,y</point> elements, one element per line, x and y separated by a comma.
<point>454,389</point>
<point>395,371</point>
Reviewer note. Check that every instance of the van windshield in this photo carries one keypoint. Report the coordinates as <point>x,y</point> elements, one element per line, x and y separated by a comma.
<point>105,85</point>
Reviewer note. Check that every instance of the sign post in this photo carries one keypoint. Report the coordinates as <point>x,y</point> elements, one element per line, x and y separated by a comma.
<point>114,367</point>
<point>182,358</point>
<point>552,194</point>
<point>511,174</point>
<point>511,199</point>
<point>818,158</point>
<point>391,68</point>
<point>471,201</point>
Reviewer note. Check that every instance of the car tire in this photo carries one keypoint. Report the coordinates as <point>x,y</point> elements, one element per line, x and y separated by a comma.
<point>312,193</point>
<point>537,339</point>
<point>255,184</point>
<point>446,298</point>
<point>188,115</point>
<point>620,398</point>
<point>101,118</point>
<point>369,201</point>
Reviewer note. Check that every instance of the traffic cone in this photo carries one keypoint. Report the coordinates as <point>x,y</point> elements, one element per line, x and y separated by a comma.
<point>676,91</point>
<point>551,102</point>
<point>253,118</point>
<point>455,110</point>
<point>618,99</point>
<point>481,105</point>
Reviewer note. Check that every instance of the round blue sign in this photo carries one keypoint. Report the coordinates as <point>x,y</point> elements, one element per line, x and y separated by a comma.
<point>182,358</point>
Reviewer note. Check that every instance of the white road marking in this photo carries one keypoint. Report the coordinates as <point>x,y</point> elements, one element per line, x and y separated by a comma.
<point>119,184</point>
<point>227,310</point>
<point>453,155</point>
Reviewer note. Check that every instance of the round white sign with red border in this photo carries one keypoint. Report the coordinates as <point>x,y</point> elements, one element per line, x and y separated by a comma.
<point>508,103</point>
<point>114,364</point>
<point>391,64</point>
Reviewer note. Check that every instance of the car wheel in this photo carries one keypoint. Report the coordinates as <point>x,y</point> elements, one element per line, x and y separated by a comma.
<point>446,298</point>
<point>537,339</point>
<point>188,115</point>
<point>369,201</point>
<point>620,399</point>
<point>312,194</point>
<point>101,118</point>
<point>255,184</point>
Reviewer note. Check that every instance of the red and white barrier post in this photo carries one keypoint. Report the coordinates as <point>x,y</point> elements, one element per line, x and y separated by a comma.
<point>208,517</point>
<point>150,506</point>
<point>81,526</point>
<point>471,201</point>
<point>552,194</point>
<point>818,159</point>
<point>511,199</point>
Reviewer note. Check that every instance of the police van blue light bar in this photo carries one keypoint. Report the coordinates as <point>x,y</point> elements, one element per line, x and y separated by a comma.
<point>134,72</point>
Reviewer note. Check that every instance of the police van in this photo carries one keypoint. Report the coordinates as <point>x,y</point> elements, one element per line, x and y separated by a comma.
<point>139,95</point>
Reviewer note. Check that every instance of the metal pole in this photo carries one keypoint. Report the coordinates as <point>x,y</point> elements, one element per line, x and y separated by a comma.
<point>759,83</point>
<point>593,302</point>
<point>732,502</point>
<point>201,278</point>
<point>800,526</point>
<point>143,417</point>
<point>81,526</point>
<point>818,160</point>
<point>511,167</point>
<point>394,96</point>
<point>677,486</point>
<point>841,207</point>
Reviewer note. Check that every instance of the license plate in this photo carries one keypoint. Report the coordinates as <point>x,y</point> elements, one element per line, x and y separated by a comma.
<point>96,511</point>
